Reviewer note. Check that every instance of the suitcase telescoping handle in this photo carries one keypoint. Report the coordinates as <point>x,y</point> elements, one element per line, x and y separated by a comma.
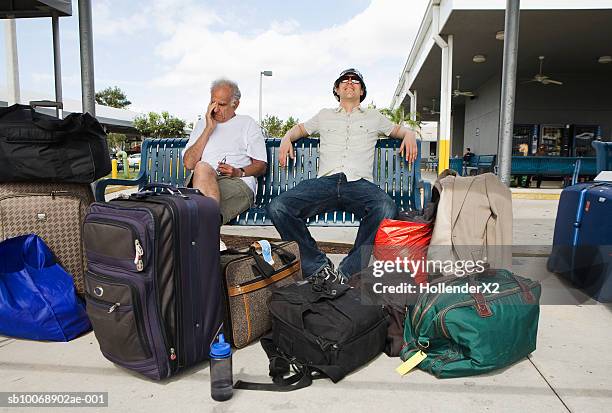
<point>170,189</point>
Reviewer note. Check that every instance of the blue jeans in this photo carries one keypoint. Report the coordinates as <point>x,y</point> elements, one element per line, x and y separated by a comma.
<point>311,197</point>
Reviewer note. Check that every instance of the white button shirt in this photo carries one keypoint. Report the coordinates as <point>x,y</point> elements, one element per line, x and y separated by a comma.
<point>348,140</point>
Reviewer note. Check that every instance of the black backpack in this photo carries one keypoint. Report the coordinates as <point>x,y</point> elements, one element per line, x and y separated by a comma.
<point>320,329</point>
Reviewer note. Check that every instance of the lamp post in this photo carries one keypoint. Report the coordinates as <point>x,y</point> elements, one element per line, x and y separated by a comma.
<point>261,75</point>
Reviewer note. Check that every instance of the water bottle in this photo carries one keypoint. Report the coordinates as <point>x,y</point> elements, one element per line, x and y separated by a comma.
<point>221,380</point>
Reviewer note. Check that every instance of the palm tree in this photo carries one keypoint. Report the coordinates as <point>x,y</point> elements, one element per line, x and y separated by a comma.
<point>400,117</point>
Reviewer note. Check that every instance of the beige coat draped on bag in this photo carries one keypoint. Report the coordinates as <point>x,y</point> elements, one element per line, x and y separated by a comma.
<point>475,218</point>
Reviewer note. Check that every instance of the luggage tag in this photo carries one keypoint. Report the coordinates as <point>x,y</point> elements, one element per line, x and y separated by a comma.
<point>411,363</point>
<point>263,248</point>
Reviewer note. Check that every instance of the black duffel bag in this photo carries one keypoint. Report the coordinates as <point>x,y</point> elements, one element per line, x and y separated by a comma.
<point>39,147</point>
<point>320,329</point>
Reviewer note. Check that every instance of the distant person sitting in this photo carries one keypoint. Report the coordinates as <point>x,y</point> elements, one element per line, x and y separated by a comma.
<point>467,156</point>
<point>541,151</point>
<point>226,152</point>
<point>523,149</point>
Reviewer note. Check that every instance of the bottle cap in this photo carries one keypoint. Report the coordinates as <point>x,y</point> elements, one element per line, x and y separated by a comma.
<point>220,349</point>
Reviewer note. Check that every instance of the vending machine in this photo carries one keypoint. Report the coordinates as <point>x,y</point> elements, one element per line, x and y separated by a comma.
<point>554,140</point>
<point>524,140</point>
<point>581,138</point>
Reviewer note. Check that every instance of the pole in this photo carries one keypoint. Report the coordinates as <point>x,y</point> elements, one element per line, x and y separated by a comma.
<point>260,98</point>
<point>12,62</point>
<point>88,93</point>
<point>508,91</point>
<point>57,63</point>
<point>446,81</point>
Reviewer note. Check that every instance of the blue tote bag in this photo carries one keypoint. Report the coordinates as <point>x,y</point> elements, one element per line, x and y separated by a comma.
<point>37,297</point>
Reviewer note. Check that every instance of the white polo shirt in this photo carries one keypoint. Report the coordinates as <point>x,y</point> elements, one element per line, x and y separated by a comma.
<point>237,140</point>
<point>348,140</point>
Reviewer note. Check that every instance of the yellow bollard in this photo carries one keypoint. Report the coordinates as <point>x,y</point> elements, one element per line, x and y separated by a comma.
<point>114,172</point>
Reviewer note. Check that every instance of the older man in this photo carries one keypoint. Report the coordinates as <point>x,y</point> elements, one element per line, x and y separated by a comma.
<point>346,155</point>
<point>226,152</point>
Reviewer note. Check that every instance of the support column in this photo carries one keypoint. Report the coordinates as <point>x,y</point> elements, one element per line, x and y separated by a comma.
<point>508,91</point>
<point>12,62</point>
<point>88,92</point>
<point>446,81</point>
<point>57,64</point>
<point>413,104</point>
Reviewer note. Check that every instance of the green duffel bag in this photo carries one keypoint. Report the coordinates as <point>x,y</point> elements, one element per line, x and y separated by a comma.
<point>473,325</point>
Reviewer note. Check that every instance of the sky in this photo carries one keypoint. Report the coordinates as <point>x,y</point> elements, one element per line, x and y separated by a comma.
<point>165,53</point>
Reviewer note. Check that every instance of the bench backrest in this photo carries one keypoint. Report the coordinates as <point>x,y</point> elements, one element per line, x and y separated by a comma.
<point>603,153</point>
<point>484,161</point>
<point>551,166</point>
<point>162,163</point>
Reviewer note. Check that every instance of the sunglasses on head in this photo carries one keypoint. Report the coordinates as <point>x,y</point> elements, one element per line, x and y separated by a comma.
<point>350,79</point>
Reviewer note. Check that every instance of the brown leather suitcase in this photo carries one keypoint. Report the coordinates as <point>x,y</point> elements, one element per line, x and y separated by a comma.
<point>248,288</point>
<point>53,211</point>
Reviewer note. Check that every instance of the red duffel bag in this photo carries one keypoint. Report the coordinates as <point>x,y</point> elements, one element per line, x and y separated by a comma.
<point>403,239</point>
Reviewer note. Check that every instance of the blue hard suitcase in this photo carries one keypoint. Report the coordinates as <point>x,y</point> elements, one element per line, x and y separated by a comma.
<point>152,284</point>
<point>582,243</point>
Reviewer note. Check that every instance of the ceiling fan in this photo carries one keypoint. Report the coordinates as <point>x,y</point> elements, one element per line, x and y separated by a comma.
<point>458,92</point>
<point>543,79</point>
<point>432,110</point>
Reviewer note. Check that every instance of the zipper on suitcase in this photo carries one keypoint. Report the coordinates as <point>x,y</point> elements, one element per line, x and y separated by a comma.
<point>169,348</point>
<point>175,351</point>
<point>180,357</point>
<point>136,304</point>
<point>139,256</point>
<point>468,303</point>
<point>168,358</point>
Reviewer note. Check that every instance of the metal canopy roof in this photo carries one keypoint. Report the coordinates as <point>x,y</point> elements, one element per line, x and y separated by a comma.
<point>570,40</point>
<point>17,9</point>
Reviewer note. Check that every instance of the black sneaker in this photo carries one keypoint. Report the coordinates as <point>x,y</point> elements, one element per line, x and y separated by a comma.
<point>329,273</point>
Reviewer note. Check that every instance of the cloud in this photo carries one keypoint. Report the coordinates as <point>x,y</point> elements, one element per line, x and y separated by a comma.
<point>109,21</point>
<point>198,45</point>
<point>284,27</point>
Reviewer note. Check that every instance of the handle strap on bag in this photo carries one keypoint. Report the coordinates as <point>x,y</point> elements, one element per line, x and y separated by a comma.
<point>266,270</point>
<point>281,365</point>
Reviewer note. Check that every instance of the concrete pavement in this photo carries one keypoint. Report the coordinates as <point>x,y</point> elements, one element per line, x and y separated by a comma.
<point>569,371</point>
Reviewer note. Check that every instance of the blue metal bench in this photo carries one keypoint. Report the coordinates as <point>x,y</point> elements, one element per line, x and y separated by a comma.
<point>480,164</point>
<point>161,162</point>
<point>568,168</point>
<point>603,154</point>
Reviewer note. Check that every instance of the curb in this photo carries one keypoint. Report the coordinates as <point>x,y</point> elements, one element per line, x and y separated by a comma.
<point>117,188</point>
<point>535,196</point>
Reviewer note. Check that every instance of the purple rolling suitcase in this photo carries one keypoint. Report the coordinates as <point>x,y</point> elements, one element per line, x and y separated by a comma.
<point>582,242</point>
<point>152,282</point>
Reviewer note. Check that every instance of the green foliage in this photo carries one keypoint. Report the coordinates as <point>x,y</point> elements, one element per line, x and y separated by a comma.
<point>113,97</point>
<point>274,126</point>
<point>400,117</point>
<point>289,123</point>
<point>116,141</point>
<point>162,125</point>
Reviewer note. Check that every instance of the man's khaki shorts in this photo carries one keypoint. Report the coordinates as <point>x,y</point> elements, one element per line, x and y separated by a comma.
<point>236,197</point>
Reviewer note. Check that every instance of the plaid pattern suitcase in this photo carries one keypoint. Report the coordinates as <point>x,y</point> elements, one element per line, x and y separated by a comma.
<point>247,289</point>
<point>55,212</point>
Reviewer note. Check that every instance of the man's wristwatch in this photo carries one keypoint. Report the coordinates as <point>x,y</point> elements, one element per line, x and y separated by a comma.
<point>242,172</point>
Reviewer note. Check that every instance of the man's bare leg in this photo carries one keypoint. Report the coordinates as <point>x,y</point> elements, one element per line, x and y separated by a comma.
<point>205,179</point>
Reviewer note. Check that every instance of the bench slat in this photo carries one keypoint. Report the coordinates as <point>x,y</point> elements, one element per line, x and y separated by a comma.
<point>161,161</point>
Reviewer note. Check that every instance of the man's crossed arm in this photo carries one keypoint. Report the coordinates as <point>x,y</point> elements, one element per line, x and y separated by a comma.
<point>407,148</point>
